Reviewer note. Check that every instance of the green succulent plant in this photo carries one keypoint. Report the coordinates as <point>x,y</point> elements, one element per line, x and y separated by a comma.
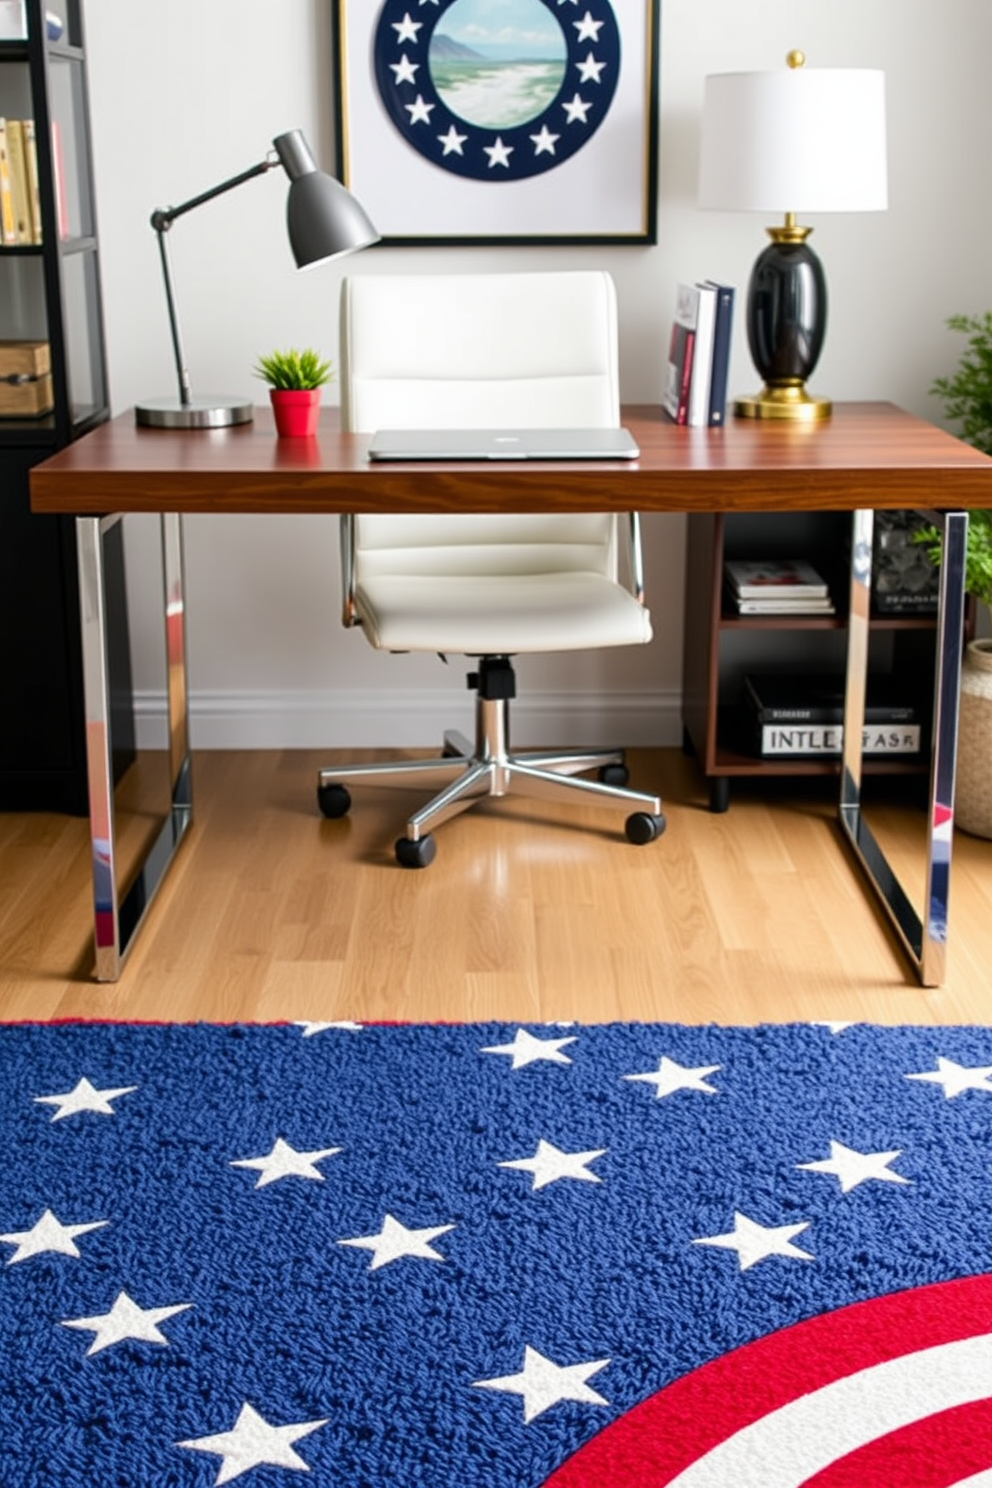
<point>294,369</point>
<point>967,400</point>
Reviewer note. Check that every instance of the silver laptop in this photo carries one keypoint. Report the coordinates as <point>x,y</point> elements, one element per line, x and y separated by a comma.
<point>503,444</point>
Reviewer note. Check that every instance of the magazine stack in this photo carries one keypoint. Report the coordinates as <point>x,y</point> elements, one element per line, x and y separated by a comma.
<point>780,586</point>
<point>791,716</point>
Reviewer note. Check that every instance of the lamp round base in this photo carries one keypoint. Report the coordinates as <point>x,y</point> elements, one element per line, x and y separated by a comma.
<point>209,412</point>
<point>792,403</point>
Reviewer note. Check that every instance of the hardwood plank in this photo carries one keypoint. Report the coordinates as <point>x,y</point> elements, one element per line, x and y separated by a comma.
<point>527,914</point>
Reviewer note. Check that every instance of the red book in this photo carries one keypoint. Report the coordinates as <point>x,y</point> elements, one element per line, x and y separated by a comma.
<point>679,377</point>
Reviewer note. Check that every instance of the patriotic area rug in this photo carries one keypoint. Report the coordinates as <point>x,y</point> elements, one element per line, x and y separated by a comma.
<point>490,1256</point>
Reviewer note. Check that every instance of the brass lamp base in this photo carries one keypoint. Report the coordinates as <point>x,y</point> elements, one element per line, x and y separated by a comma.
<point>789,401</point>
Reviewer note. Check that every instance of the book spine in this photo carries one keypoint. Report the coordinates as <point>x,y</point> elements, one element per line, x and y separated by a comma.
<point>721,353</point>
<point>19,181</point>
<point>34,190</point>
<point>702,358</point>
<point>8,232</point>
<point>881,715</point>
<point>828,739</point>
<point>680,358</point>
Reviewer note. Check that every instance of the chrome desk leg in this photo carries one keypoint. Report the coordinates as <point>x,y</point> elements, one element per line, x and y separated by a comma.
<point>925,939</point>
<point>117,916</point>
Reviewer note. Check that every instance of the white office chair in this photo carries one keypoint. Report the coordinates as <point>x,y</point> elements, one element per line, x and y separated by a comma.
<point>487,351</point>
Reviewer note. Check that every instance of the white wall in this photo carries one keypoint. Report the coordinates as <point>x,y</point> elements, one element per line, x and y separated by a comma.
<point>185,94</point>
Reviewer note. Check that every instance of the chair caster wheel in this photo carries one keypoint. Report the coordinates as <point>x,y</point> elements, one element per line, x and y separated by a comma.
<point>642,827</point>
<point>419,854</point>
<point>333,800</point>
<point>614,774</point>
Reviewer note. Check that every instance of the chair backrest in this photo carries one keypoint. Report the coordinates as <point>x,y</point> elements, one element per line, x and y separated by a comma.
<point>480,351</point>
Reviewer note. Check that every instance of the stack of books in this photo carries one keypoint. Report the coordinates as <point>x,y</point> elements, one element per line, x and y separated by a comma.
<point>20,206</point>
<point>699,354</point>
<point>795,716</point>
<point>776,586</point>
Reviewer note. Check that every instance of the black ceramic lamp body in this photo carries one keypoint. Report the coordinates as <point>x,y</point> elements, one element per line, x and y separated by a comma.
<point>786,324</point>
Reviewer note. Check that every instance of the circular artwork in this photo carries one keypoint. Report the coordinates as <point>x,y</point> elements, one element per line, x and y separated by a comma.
<point>497,90</point>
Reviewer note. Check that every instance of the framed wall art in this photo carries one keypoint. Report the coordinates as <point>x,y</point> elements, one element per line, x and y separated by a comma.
<point>514,121</point>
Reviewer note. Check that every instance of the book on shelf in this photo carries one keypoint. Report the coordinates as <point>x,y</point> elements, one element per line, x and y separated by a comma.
<point>8,230</point>
<point>20,194</point>
<point>796,740</point>
<point>681,354</point>
<point>797,605</point>
<point>34,192</point>
<point>774,578</point>
<point>792,697</point>
<point>720,359</point>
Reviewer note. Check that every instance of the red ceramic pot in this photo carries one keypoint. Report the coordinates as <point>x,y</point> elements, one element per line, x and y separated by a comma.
<point>296,411</point>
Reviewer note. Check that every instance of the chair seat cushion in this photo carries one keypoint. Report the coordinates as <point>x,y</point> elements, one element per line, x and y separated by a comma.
<point>499,615</point>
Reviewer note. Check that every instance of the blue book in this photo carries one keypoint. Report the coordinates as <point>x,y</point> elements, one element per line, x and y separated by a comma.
<point>721,351</point>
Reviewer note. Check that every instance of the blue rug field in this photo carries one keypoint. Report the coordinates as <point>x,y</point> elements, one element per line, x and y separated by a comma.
<point>495,1256</point>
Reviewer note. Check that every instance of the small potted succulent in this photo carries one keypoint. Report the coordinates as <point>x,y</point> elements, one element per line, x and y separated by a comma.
<point>295,379</point>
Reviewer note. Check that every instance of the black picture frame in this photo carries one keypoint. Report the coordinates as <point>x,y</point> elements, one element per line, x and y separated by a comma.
<point>582,169</point>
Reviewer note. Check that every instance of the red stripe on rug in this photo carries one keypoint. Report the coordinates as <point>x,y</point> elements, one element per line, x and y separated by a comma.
<point>936,1452</point>
<point>663,1435</point>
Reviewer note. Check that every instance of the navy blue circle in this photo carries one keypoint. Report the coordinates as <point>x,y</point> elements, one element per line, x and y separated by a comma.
<point>402,73</point>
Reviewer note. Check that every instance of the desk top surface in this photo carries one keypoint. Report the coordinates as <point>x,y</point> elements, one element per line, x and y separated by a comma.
<point>865,455</point>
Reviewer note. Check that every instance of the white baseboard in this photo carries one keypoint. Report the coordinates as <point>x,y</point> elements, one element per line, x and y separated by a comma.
<point>365,719</point>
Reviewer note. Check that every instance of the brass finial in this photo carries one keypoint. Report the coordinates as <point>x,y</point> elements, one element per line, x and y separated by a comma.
<point>795,58</point>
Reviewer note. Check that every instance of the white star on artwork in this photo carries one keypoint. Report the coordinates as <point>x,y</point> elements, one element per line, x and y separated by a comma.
<point>419,111</point>
<point>851,1168</point>
<point>125,1320</point>
<point>587,28</point>
<point>499,154</point>
<point>568,2</point>
<point>543,1383</point>
<point>394,1241</point>
<point>48,1234</point>
<point>405,70</point>
<point>526,1049</point>
<point>544,143</point>
<point>669,1077</point>
<point>577,109</point>
<point>549,1164</point>
<point>252,1442</point>
<point>84,1098</point>
<point>754,1242</point>
<point>406,29</point>
<point>285,1162</point>
<point>452,141</point>
<point>309,1029</point>
<point>590,69</point>
<point>957,1077</point>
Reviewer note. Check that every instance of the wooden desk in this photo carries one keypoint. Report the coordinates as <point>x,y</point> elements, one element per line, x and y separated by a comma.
<point>869,455</point>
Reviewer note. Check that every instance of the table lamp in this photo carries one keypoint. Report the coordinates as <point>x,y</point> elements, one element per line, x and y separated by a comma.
<point>796,140</point>
<point>323,220</point>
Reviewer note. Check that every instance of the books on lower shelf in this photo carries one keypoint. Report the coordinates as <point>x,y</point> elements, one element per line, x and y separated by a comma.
<point>20,208</point>
<point>788,714</point>
<point>789,586</point>
<point>699,354</point>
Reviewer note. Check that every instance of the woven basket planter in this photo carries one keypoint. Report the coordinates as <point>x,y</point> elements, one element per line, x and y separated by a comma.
<point>973,793</point>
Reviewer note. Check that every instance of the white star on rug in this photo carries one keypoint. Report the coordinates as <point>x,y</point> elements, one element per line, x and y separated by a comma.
<point>543,1383</point>
<point>125,1320</point>
<point>309,1029</point>
<point>957,1077</point>
<point>526,1049</point>
<point>84,1098</point>
<point>48,1234</point>
<point>549,1164</point>
<point>669,1077</point>
<point>394,1241</point>
<point>754,1242</point>
<point>285,1162</point>
<point>252,1442</point>
<point>851,1168</point>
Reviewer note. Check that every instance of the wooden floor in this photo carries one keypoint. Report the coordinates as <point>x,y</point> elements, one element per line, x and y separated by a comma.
<point>271,912</point>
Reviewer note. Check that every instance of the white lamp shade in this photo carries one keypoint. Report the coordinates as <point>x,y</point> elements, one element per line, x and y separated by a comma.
<point>799,139</point>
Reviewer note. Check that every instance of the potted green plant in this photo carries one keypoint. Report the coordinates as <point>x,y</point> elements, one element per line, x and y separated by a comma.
<point>967,400</point>
<point>295,379</point>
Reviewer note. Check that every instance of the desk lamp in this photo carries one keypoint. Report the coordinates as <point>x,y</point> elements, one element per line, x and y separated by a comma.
<point>795,140</point>
<point>323,220</point>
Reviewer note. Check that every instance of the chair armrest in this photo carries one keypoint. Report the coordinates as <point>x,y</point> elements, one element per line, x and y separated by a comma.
<point>635,557</point>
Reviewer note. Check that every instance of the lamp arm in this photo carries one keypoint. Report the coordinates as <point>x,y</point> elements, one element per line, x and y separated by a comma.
<point>161,220</point>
